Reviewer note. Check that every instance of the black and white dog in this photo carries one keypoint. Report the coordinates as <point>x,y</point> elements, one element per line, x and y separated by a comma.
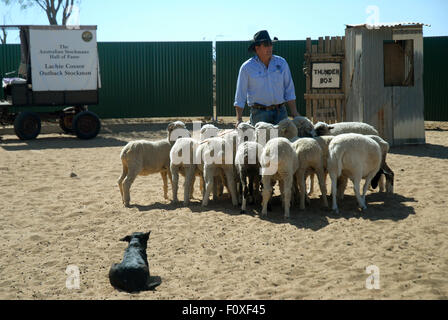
<point>132,274</point>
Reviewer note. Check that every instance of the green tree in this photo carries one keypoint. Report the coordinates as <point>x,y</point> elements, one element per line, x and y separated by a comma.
<point>51,8</point>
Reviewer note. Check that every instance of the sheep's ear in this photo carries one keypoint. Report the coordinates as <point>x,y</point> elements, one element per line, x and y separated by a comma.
<point>170,126</point>
<point>330,127</point>
<point>126,239</point>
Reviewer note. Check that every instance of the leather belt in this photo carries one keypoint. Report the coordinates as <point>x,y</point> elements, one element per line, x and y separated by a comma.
<point>267,108</point>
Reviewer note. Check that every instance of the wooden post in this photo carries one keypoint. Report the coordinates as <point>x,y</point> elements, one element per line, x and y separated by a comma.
<point>320,46</point>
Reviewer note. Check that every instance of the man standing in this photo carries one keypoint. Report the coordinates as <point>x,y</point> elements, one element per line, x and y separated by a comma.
<point>265,82</point>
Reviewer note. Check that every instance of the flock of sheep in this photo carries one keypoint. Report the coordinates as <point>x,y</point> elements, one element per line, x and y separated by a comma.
<point>249,160</point>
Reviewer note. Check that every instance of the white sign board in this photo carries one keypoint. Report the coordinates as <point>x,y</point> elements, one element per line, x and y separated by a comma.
<point>63,60</point>
<point>326,75</point>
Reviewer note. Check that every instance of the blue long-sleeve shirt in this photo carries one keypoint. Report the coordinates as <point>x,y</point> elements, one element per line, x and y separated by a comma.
<point>266,86</point>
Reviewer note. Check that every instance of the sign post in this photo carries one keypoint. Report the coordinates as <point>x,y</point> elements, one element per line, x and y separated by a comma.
<point>64,60</point>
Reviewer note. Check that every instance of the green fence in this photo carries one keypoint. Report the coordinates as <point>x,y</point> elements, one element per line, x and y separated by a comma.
<point>161,79</point>
<point>435,81</point>
<point>9,61</point>
<point>146,79</point>
<point>230,55</point>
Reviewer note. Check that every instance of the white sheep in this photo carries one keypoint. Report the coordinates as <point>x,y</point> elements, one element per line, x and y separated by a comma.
<point>304,126</point>
<point>354,156</point>
<point>323,141</point>
<point>286,129</point>
<point>279,162</point>
<point>310,160</point>
<point>182,161</point>
<point>264,132</point>
<point>208,131</point>
<point>215,160</point>
<point>142,157</point>
<point>246,132</point>
<point>324,129</point>
<point>247,163</point>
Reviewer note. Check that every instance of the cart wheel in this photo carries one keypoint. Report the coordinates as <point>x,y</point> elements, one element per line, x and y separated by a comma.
<point>66,123</point>
<point>27,125</point>
<point>86,125</point>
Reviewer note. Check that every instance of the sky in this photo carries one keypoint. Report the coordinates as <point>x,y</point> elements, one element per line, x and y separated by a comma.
<point>228,20</point>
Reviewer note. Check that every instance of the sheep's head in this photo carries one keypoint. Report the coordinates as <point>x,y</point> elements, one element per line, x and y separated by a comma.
<point>287,129</point>
<point>209,131</point>
<point>304,126</point>
<point>246,132</point>
<point>322,129</point>
<point>177,130</point>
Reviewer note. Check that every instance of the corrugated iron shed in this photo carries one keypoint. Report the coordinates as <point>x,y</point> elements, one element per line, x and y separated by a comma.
<point>397,111</point>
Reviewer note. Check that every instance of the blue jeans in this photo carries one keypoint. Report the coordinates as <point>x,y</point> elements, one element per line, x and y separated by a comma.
<point>269,116</point>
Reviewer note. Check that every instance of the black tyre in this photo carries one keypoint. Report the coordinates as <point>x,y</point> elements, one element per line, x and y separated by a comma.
<point>66,122</point>
<point>27,125</point>
<point>86,125</point>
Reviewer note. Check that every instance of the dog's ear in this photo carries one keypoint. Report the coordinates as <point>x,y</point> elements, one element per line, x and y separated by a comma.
<point>127,239</point>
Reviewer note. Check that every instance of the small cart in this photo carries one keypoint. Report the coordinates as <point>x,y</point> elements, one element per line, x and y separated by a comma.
<point>59,68</point>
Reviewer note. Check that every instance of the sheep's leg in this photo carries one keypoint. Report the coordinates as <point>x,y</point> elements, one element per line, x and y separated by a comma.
<point>132,174</point>
<point>243,179</point>
<point>201,184</point>
<point>334,190</point>
<point>382,183</point>
<point>342,185</point>
<point>367,182</point>
<point>311,189</point>
<point>175,181</point>
<point>251,189</point>
<point>295,190</point>
<point>231,185</point>
<point>121,178</point>
<point>215,188</point>
<point>239,191</point>
<point>164,175</point>
<point>287,190</point>
<point>356,182</point>
<point>209,172</point>
<point>323,187</point>
<point>266,194</point>
<point>281,185</point>
<point>257,193</point>
<point>302,187</point>
<point>189,180</point>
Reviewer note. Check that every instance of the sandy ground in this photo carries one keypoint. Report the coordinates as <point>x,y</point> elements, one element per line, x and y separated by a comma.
<point>60,206</point>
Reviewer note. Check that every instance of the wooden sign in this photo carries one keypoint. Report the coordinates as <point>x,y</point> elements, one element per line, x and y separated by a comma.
<point>325,75</point>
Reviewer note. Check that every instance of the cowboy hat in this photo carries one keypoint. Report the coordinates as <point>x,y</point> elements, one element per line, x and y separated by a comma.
<point>259,38</point>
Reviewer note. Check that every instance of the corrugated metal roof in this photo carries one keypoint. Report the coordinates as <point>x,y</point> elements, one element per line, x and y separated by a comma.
<point>388,25</point>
